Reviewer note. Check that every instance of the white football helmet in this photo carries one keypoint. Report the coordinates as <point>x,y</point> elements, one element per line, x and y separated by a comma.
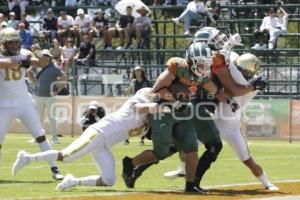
<point>10,42</point>
<point>248,64</point>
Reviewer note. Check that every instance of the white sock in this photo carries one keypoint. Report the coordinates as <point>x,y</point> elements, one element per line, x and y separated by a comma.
<point>182,165</point>
<point>50,156</point>
<point>88,180</point>
<point>264,180</point>
<point>45,146</point>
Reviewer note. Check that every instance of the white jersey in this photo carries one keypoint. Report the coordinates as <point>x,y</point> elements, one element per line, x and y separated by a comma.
<point>226,116</point>
<point>124,123</point>
<point>13,88</point>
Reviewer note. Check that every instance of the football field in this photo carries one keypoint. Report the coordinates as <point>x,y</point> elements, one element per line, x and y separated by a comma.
<point>228,178</point>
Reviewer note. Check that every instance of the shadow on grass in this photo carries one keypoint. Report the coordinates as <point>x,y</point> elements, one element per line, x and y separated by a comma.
<point>18,181</point>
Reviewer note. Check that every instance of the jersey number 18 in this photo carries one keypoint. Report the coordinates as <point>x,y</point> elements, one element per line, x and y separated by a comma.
<point>12,74</point>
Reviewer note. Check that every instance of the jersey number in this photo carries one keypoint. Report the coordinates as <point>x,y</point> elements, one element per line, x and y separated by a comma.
<point>12,74</point>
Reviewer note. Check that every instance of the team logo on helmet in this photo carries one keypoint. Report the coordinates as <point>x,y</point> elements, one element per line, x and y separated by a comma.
<point>200,56</point>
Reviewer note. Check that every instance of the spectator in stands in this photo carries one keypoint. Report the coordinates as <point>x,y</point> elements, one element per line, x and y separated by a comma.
<point>69,51</point>
<point>263,34</point>
<point>138,81</point>
<point>213,6</point>
<point>92,115</point>
<point>43,41</point>
<point>65,25</point>
<point>195,11</point>
<point>100,26</point>
<point>56,51</point>
<point>18,6</point>
<point>282,28</point>
<point>86,55</point>
<point>23,19</point>
<point>50,24</point>
<point>125,21</point>
<point>142,27</point>
<point>12,22</point>
<point>25,35</point>
<point>45,92</point>
<point>82,23</point>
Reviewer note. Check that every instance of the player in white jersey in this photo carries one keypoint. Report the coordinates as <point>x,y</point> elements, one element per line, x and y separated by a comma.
<point>242,69</point>
<point>15,101</point>
<point>97,139</point>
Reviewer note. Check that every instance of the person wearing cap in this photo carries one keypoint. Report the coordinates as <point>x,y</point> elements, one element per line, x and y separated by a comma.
<point>83,23</point>
<point>12,22</point>
<point>45,92</point>
<point>100,26</point>
<point>50,24</point>
<point>141,27</point>
<point>262,36</point>
<point>92,115</point>
<point>25,36</point>
<point>138,81</point>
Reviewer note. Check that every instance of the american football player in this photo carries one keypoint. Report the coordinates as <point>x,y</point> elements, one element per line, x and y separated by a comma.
<point>15,101</point>
<point>130,120</point>
<point>239,72</point>
<point>194,71</point>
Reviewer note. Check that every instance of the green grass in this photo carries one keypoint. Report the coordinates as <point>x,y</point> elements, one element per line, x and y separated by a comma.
<point>280,159</point>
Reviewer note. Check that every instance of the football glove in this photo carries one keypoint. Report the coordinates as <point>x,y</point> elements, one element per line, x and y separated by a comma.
<point>24,63</point>
<point>259,83</point>
<point>232,104</point>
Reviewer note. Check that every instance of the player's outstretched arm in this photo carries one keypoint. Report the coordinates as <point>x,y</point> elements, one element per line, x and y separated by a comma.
<point>9,63</point>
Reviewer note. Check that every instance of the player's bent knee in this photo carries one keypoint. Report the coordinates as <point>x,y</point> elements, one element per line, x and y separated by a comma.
<point>109,181</point>
<point>40,139</point>
<point>213,151</point>
<point>162,153</point>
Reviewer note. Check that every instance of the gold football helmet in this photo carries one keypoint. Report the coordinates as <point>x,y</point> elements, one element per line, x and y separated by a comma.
<point>10,42</point>
<point>248,64</point>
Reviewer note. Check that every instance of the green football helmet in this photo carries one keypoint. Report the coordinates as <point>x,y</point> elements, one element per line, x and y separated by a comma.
<point>213,37</point>
<point>199,54</point>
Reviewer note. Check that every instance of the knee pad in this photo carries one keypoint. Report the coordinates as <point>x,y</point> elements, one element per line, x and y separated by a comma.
<point>212,151</point>
<point>40,139</point>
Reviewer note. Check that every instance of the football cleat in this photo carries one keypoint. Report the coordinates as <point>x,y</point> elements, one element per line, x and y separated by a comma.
<point>21,161</point>
<point>68,182</point>
<point>174,174</point>
<point>272,188</point>
<point>128,172</point>
<point>196,189</point>
<point>56,175</point>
